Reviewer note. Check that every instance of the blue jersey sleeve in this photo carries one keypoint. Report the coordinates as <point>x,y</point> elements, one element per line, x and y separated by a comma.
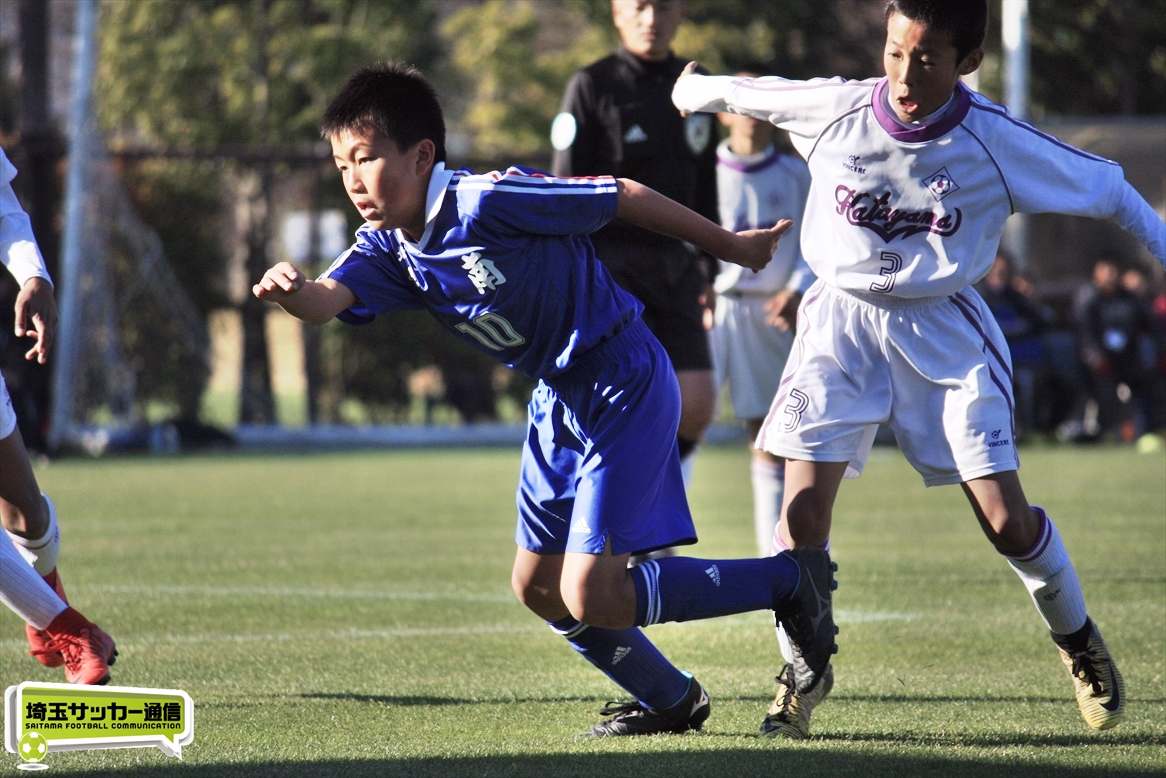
<point>521,201</point>
<point>373,272</point>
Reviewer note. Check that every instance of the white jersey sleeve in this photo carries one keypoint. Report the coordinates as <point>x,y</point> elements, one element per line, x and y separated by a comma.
<point>1044,175</point>
<point>18,249</point>
<point>804,108</point>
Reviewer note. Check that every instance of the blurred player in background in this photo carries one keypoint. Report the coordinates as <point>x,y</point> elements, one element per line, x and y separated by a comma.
<point>503,261</point>
<point>754,317</point>
<point>617,119</point>
<point>29,582</point>
<point>913,177</point>
<point>753,325</point>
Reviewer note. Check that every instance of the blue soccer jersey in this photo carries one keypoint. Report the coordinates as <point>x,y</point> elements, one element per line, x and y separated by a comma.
<point>504,262</point>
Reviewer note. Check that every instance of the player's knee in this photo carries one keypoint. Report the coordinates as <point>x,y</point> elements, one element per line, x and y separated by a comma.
<point>592,602</point>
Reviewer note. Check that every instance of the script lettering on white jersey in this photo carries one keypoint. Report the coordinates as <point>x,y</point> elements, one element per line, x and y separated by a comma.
<point>482,272</point>
<point>863,209</point>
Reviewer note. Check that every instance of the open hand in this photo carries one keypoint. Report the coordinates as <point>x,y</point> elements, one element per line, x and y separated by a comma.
<point>754,248</point>
<point>36,317</point>
<point>279,282</point>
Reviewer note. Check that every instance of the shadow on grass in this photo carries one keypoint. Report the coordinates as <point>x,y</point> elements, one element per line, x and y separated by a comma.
<point>667,764</point>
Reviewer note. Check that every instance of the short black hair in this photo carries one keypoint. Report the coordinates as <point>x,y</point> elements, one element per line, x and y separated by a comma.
<point>966,21</point>
<point>393,99</point>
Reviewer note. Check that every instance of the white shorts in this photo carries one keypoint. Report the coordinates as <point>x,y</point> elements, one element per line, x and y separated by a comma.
<point>748,353</point>
<point>936,370</point>
<point>7,414</point>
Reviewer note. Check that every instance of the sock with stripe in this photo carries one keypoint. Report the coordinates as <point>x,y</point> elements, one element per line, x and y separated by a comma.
<point>1052,583</point>
<point>683,588</point>
<point>24,591</point>
<point>41,552</point>
<point>628,658</point>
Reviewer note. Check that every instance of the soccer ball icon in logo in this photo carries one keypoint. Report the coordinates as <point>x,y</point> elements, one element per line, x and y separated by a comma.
<point>32,747</point>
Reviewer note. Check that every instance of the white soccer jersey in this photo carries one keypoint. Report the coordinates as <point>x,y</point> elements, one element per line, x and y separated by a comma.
<point>756,191</point>
<point>18,249</point>
<point>918,210</point>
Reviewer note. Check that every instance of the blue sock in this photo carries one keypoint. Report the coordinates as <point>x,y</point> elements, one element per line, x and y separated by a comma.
<point>627,657</point>
<point>683,589</point>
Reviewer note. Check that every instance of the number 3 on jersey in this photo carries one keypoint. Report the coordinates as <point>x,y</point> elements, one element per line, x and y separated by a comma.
<point>492,331</point>
<point>892,263</point>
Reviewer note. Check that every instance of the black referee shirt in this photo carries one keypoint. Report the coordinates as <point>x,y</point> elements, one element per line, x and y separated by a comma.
<point>625,125</point>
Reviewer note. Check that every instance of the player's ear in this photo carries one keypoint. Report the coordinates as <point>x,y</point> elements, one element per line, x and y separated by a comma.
<point>724,119</point>
<point>971,62</point>
<point>426,155</point>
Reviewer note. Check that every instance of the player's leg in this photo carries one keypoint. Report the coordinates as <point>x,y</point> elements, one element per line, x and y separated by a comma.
<point>1029,540</point>
<point>28,520</point>
<point>698,398</point>
<point>667,699</point>
<point>547,500</point>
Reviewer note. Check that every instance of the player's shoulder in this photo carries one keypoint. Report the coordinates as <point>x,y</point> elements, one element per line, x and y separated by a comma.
<point>997,127</point>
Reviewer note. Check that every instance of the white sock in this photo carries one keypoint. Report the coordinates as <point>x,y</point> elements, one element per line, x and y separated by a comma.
<point>42,552</point>
<point>24,591</point>
<point>768,490</point>
<point>1048,575</point>
<point>686,466</point>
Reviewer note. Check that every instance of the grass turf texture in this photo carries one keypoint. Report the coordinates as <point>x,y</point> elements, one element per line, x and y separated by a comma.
<point>350,614</point>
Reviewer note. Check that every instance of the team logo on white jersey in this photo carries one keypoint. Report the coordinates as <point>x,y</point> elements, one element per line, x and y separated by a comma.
<point>940,184</point>
<point>863,209</point>
<point>698,131</point>
<point>852,165</point>
<point>482,272</point>
<point>635,134</point>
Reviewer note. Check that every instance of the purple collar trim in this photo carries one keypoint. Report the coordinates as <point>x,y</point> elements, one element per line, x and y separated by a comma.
<point>770,157</point>
<point>926,132</point>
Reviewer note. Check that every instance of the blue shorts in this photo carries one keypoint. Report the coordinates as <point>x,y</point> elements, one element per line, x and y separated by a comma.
<point>600,460</point>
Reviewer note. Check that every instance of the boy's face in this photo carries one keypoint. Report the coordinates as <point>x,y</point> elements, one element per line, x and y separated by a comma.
<point>922,68</point>
<point>387,185</point>
<point>747,128</point>
<point>647,27</point>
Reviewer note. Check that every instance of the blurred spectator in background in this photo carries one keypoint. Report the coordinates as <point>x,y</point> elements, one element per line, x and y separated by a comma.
<point>1023,320</point>
<point>1121,346</point>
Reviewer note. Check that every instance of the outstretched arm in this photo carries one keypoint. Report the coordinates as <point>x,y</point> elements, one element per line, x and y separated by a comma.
<point>315,302</point>
<point>647,208</point>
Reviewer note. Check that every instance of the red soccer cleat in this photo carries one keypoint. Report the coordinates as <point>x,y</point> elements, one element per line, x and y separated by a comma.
<point>39,642</point>
<point>85,647</point>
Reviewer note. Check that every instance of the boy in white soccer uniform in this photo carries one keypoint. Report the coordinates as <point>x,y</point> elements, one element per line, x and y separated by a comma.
<point>29,583</point>
<point>914,176</point>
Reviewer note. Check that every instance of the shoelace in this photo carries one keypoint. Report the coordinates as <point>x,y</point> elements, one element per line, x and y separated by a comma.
<point>1084,669</point>
<point>621,709</point>
<point>787,698</point>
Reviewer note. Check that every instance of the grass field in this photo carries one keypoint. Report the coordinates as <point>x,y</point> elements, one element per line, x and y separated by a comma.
<point>350,615</point>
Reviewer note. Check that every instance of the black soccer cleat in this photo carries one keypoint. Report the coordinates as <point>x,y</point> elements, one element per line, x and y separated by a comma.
<point>808,617</point>
<point>632,718</point>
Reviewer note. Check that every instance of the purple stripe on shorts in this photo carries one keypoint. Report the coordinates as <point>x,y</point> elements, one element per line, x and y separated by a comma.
<point>966,308</point>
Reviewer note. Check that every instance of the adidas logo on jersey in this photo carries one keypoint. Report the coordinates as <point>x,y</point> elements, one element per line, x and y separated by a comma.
<point>620,653</point>
<point>635,134</point>
<point>714,573</point>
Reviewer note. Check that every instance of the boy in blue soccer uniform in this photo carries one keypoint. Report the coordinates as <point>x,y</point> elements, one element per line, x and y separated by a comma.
<point>503,260</point>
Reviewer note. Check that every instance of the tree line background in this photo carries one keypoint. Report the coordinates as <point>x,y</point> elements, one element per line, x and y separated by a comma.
<point>211,108</point>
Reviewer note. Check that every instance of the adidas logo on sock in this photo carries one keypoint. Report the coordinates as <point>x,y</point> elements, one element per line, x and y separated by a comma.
<point>714,573</point>
<point>620,653</point>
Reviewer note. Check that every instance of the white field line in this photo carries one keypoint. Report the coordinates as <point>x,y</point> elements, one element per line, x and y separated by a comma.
<point>279,591</point>
<point>744,619</point>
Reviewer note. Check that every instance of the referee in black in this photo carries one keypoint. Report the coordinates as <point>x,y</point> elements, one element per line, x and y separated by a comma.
<point>617,118</point>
